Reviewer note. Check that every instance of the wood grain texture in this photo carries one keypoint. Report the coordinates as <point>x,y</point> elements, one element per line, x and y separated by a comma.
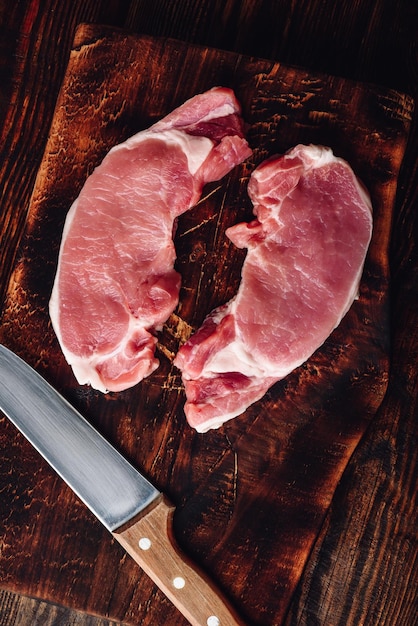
<point>116,84</point>
<point>195,595</point>
<point>31,75</point>
<point>20,610</point>
<point>362,568</point>
<point>368,544</point>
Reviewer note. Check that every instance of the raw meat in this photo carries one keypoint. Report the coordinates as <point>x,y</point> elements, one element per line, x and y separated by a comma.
<point>306,251</point>
<point>115,284</point>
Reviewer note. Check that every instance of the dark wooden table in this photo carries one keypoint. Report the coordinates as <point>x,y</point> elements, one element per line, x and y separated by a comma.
<point>362,566</point>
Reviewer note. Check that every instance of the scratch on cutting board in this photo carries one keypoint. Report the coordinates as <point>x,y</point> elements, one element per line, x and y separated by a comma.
<point>235,475</point>
<point>203,222</point>
<point>199,285</point>
<point>199,225</point>
<point>220,214</point>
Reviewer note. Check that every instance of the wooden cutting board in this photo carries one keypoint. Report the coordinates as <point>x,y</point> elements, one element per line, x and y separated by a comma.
<point>251,497</point>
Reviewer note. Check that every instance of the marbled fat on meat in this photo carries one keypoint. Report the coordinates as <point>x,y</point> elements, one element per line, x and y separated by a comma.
<point>306,251</point>
<point>115,284</point>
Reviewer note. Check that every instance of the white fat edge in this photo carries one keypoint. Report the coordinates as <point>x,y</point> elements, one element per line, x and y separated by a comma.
<point>86,374</point>
<point>218,421</point>
<point>54,298</point>
<point>235,356</point>
<point>222,111</point>
<point>317,156</point>
<point>195,147</point>
<point>361,188</point>
<point>314,156</point>
<point>323,155</point>
<point>66,229</point>
<point>84,368</point>
<point>353,295</point>
<point>236,351</point>
<point>53,304</point>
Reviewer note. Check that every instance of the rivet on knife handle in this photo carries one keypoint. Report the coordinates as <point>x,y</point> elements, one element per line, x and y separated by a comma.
<point>150,542</point>
<point>128,505</point>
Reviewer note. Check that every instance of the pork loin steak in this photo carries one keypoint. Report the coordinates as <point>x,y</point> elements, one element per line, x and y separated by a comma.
<point>115,284</point>
<point>306,251</point>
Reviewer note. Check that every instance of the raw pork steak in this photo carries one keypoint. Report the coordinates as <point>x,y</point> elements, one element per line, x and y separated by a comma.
<point>306,250</point>
<point>115,283</point>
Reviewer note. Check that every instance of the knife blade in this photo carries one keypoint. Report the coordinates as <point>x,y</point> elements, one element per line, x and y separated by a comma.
<point>137,514</point>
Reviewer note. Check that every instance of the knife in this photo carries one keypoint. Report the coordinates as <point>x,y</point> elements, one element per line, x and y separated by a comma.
<point>137,515</point>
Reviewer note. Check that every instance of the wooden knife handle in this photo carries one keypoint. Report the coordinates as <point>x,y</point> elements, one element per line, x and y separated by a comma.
<point>150,542</point>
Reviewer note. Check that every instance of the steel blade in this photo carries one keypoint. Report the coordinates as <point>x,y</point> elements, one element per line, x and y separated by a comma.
<point>101,477</point>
